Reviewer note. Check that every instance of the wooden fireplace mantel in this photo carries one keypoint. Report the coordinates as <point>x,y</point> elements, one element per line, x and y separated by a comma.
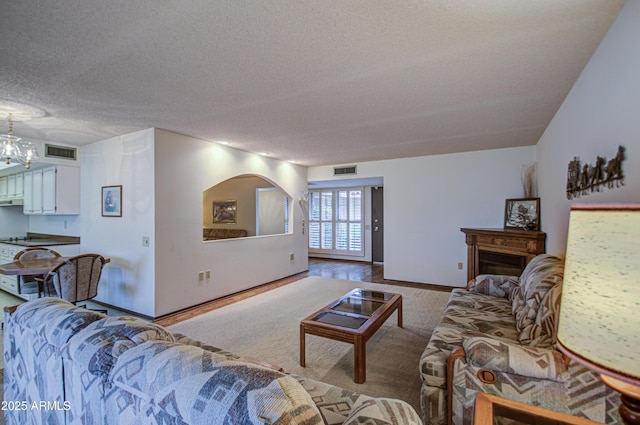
<point>525,243</point>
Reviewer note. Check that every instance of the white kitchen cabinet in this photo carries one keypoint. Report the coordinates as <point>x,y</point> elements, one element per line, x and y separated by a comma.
<point>32,203</point>
<point>4,187</point>
<point>52,191</point>
<point>18,186</point>
<point>11,186</point>
<point>49,190</point>
<point>36,192</point>
<point>27,207</point>
<point>9,283</point>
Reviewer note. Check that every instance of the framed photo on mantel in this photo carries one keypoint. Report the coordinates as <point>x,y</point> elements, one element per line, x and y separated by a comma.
<point>522,213</point>
<point>112,201</point>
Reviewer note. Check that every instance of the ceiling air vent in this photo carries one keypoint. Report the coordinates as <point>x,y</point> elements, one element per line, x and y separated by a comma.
<point>63,152</point>
<point>339,171</point>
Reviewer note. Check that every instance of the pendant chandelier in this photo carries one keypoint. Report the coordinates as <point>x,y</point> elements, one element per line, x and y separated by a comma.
<point>16,149</point>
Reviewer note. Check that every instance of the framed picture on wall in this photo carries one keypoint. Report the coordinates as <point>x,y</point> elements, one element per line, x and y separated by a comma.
<point>523,213</point>
<point>224,211</point>
<point>112,201</point>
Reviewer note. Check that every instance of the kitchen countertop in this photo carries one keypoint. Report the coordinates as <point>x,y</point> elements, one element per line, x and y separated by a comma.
<point>39,239</point>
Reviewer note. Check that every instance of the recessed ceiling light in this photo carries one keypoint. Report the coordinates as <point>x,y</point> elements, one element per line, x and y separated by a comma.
<point>223,142</point>
<point>293,161</point>
<point>264,153</point>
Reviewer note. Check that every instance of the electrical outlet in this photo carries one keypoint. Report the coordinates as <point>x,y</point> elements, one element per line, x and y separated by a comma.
<point>201,276</point>
<point>292,256</point>
<point>145,241</point>
<point>459,266</point>
<point>207,274</point>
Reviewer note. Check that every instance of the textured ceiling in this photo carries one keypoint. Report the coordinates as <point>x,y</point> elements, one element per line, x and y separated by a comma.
<point>320,82</point>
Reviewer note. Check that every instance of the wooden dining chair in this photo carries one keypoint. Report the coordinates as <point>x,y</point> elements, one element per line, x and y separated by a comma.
<point>76,279</point>
<point>32,284</point>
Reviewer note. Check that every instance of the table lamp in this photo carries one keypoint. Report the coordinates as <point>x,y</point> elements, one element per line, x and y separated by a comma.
<point>599,322</point>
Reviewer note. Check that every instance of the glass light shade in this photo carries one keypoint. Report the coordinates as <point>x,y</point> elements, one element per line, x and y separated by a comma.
<point>599,322</point>
<point>15,148</point>
<point>28,153</point>
<point>9,147</point>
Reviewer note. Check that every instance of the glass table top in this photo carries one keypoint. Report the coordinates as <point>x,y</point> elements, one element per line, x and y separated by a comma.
<point>340,320</point>
<point>358,306</point>
<point>354,309</point>
<point>383,296</point>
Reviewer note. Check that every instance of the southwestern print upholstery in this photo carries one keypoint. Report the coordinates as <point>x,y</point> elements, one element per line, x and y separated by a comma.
<point>90,356</point>
<point>190,385</point>
<point>499,286</point>
<point>507,325</point>
<point>340,406</point>
<point>33,338</point>
<point>541,274</point>
<point>384,409</point>
<point>92,369</point>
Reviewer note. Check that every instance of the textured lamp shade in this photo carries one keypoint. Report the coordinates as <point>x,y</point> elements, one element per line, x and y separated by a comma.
<point>599,323</point>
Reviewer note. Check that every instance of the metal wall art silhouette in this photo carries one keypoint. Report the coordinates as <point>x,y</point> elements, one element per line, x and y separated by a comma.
<point>584,179</point>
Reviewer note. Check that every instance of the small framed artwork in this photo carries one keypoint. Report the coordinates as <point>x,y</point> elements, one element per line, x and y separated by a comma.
<point>112,201</point>
<point>224,211</point>
<point>523,213</point>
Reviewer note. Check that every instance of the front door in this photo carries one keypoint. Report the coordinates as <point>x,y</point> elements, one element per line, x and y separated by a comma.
<point>377,222</point>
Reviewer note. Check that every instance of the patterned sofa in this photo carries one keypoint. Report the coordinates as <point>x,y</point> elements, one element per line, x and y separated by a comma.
<point>68,365</point>
<point>498,336</point>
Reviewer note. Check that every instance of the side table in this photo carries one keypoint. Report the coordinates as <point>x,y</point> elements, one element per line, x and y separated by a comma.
<point>489,408</point>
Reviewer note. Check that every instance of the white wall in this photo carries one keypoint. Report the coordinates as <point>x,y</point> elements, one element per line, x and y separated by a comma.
<point>185,168</point>
<point>66,225</point>
<point>163,176</point>
<point>428,199</point>
<point>599,114</point>
<point>13,222</point>
<point>129,280</point>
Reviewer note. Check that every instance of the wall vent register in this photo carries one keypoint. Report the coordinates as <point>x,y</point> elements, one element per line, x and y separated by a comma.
<point>63,152</point>
<point>339,171</point>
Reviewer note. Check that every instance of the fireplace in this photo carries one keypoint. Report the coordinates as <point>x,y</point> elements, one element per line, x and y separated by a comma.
<point>500,263</point>
<point>501,251</point>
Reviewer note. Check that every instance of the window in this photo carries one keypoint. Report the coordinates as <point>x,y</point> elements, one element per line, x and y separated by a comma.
<point>336,221</point>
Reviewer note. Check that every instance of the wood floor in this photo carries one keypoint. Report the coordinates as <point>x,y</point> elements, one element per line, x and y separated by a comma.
<point>336,269</point>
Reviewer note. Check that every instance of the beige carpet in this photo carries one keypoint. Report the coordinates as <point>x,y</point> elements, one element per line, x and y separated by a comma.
<point>266,327</point>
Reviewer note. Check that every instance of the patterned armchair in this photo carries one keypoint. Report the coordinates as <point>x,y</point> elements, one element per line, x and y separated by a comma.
<point>498,336</point>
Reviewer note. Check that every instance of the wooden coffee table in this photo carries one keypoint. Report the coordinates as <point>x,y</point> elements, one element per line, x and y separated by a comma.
<point>354,318</point>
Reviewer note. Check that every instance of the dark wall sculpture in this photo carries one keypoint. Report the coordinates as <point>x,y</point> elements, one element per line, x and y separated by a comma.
<point>584,179</point>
